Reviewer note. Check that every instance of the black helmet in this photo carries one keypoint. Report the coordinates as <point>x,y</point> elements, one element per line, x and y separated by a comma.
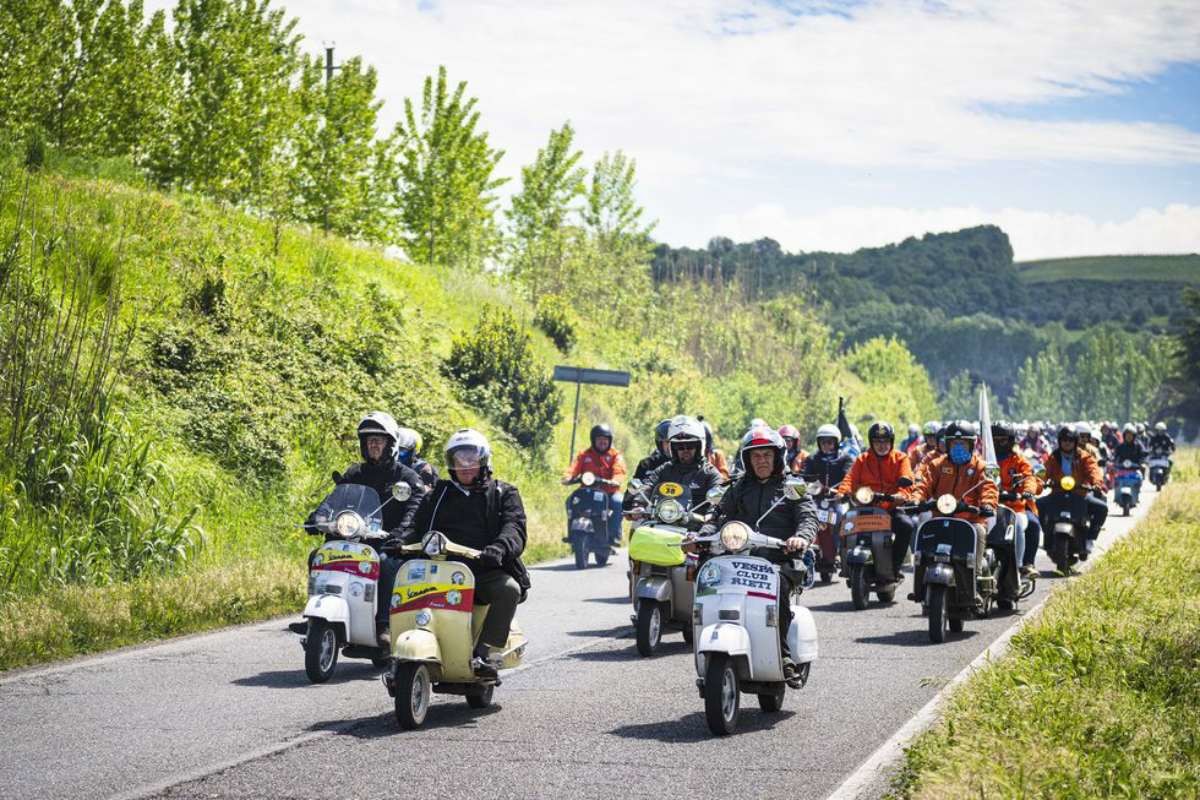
<point>1067,431</point>
<point>660,430</point>
<point>881,430</point>
<point>603,429</point>
<point>960,429</point>
<point>1006,429</point>
<point>708,436</point>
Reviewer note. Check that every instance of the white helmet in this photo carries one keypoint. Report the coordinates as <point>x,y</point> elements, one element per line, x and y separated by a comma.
<point>932,427</point>
<point>828,431</point>
<point>685,429</point>
<point>468,448</point>
<point>378,423</point>
<point>914,429</point>
<point>1161,427</point>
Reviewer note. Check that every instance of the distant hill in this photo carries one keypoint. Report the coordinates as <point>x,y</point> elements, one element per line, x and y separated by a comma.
<point>1159,269</point>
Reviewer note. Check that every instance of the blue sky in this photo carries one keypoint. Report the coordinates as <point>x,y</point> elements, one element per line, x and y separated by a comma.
<point>833,125</point>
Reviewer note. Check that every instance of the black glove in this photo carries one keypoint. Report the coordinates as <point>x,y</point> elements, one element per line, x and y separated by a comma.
<point>708,529</point>
<point>1098,492</point>
<point>987,511</point>
<point>492,556</point>
<point>1027,495</point>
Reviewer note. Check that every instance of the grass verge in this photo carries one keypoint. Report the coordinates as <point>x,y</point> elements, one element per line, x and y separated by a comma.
<point>1100,696</point>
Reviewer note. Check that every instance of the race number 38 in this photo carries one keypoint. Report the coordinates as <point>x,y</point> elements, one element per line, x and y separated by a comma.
<point>670,489</point>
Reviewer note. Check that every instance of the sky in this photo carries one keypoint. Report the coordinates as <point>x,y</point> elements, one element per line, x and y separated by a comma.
<point>1074,125</point>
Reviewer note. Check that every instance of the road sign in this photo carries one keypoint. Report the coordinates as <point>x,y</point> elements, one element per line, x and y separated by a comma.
<point>581,375</point>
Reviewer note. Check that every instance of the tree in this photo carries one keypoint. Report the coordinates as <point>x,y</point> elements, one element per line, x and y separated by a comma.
<point>550,186</point>
<point>445,189</point>
<point>227,135</point>
<point>612,213</point>
<point>961,400</point>
<point>336,178</point>
<point>1041,389</point>
<point>37,40</point>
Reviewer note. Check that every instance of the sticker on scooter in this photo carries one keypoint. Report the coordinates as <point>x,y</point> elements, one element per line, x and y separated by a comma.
<point>669,489</point>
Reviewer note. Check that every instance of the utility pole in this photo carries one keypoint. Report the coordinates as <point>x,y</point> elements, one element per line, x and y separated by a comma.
<point>329,66</point>
<point>1128,392</point>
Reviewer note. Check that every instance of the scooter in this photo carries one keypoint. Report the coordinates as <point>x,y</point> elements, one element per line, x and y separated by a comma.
<point>343,580</point>
<point>829,518</point>
<point>435,624</point>
<point>1127,485</point>
<point>1006,541</point>
<point>867,541</point>
<point>736,620</point>
<point>1066,526</point>
<point>662,575</point>
<point>588,512</point>
<point>947,582</point>
<point>1160,469</point>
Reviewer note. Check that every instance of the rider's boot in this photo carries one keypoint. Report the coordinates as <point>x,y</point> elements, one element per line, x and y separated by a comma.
<point>481,664</point>
<point>383,636</point>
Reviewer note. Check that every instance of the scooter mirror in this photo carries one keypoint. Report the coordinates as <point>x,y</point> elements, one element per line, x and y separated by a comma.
<point>794,488</point>
<point>864,495</point>
<point>715,494</point>
<point>401,491</point>
<point>637,484</point>
<point>588,478</point>
<point>991,473</point>
<point>946,504</point>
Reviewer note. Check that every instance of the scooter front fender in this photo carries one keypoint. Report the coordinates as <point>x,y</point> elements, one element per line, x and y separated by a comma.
<point>656,587</point>
<point>940,573</point>
<point>328,607</point>
<point>417,645</point>
<point>861,555</point>
<point>724,637</point>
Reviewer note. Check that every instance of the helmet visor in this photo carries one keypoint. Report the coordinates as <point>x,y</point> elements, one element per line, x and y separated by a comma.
<point>465,457</point>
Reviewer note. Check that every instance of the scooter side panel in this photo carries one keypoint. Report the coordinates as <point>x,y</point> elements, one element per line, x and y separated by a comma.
<point>802,635</point>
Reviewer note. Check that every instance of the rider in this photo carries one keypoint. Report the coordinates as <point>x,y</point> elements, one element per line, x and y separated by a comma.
<point>475,510</point>
<point>661,454</point>
<point>750,500</point>
<point>795,454</point>
<point>1130,449</point>
<point>909,444</point>
<point>827,465</point>
<point>928,447</point>
<point>1035,441</point>
<point>1161,441</point>
<point>380,469</point>
<point>885,470</point>
<point>687,466</point>
<point>1017,478</point>
<point>607,463</point>
<point>960,473</point>
<point>409,453</point>
<point>1068,459</point>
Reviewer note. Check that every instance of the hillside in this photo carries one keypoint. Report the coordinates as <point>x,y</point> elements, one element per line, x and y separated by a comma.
<point>1180,269</point>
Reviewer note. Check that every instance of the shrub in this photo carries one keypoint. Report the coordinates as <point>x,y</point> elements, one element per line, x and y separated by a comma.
<point>555,319</point>
<point>495,367</point>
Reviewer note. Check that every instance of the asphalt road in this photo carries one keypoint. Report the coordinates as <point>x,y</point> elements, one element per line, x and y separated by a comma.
<point>231,714</point>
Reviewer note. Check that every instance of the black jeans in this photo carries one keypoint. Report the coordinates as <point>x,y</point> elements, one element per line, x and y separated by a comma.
<point>903,527</point>
<point>497,590</point>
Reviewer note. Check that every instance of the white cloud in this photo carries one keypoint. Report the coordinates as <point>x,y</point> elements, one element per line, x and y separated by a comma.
<point>1034,234</point>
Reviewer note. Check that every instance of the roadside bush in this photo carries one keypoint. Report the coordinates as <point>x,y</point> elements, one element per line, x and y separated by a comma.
<point>555,319</point>
<point>495,366</point>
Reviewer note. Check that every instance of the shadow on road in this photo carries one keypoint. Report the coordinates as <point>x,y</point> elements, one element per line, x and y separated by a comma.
<point>296,679</point>
<point>667,648</point>
<point>841,606</point>
<point>619,632</point>
<point>379,726</point>
<point>570,567</point>
<point>616,601</point>
<point>692,728</point>
<point>917,637</point>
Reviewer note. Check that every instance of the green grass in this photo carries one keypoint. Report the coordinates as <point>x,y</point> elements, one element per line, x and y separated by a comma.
<point>1099,697</point>
<point>1170,269</point>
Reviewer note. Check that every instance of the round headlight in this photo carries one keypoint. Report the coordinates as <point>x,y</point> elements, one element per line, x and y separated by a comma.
<point>670,511</point>
<point>1067,483</point>
<point>348,523</point>
<point>864,495</point>
<point>588,478</point>
<point>946,504</point>
<point>734,536</point>
<point>424,617</point>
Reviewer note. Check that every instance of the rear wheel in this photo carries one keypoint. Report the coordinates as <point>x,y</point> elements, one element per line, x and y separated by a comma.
<point>826,577</point>
<point>601,557</point>
<point>938,618</point>
<point>482,699</point>
<point>1004,604</point>
<point>859,593</point>
<point>956,625</point>
<point>722,696</point>
<point>649,626</point>
<point>413,690</point>
<point>320,651</point>
<point>771,702</point>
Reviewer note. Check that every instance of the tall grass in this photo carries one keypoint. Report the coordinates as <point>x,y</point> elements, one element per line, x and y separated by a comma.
<point>80,498</point>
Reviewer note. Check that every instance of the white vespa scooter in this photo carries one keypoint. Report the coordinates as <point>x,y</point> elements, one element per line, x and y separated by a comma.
<point>343,580</point>
<point>736,623</point>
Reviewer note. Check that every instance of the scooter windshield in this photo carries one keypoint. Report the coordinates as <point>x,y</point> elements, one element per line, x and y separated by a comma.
<point>362,500</point>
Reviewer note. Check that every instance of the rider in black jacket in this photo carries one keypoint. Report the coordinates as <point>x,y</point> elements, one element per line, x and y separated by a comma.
<point>475,510</point>
<point>1161,441</point>
<point>757,499</point>
<point>827,465</point>
<point>687,466</point>
<point>660,455</point>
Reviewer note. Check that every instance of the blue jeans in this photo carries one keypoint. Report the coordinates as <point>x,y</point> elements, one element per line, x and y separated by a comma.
<point>615,502</point>
<point>1033,539</point>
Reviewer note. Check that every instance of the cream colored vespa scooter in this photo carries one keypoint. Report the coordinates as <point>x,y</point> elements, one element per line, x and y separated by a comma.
<point>435,624</point>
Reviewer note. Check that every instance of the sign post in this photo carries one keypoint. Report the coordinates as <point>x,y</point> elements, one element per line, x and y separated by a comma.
<point>581,375</point>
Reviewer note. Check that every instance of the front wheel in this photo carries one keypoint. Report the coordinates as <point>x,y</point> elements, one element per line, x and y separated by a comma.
<point>1061,554</point>
<point>938,616</point>
<point>482,699</point>
<point>320,651</point>
<point>722,695</point>
<point>649,627</point>
<point>771,702</point>
<point>689,633</point>
<point>1124,509</point>
<point>581,554</point>
<point>413,690</point>
<point>859,593</point>
<point>886,595</point>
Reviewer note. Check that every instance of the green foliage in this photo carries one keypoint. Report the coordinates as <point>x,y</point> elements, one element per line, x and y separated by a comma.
<point>1042,387</point>
<point>499,374</point>
<point>445,191</point>
<point>555,318</point>
<point>1099,696</point>
<point>1121,269</point>
<point>897,388</point>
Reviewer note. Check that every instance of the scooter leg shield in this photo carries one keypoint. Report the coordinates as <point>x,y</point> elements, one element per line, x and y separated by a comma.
<point>724,637</point>
<point>417,645</point>
<point>329,608</point>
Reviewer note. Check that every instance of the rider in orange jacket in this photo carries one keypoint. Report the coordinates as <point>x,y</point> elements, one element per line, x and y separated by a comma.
<point>607,463</point>
<point>885,470</point>
<point>1018,479</point>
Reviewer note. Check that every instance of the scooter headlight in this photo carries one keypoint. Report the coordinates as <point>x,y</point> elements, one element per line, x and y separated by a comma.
<point>1067,483</point>
<point>735,536</point>
<point>864,495</point>
<point>670,511</point>
<point>946,504</point>
<point>348,524</point>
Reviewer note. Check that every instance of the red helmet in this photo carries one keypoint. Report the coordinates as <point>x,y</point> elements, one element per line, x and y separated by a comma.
<point>789,432</point>
<point>763,437</point>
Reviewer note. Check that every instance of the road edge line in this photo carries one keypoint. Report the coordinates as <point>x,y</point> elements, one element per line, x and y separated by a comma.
<point>892,750</point>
